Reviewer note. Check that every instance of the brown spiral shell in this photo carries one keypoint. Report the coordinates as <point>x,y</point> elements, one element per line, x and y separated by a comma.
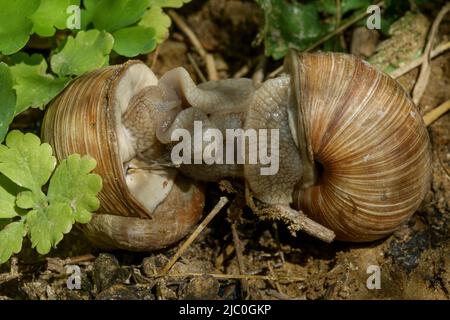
<point>83,119</point>
<point>368,140</point>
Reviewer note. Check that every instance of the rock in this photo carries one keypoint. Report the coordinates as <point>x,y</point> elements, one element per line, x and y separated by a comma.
<point>202,288</point>
<point>108,272</point>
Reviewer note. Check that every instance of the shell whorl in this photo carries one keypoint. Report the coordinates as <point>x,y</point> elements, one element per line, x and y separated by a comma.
<point>370,142</point>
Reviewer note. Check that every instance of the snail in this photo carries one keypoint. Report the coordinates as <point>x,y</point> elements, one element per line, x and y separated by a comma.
<point>353,153</point>
<point>141,210</point>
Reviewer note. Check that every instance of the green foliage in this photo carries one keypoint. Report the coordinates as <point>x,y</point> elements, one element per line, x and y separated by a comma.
<point>73,37</point>
<point>33,85</point>
<point>120,13</point>
<point>44,24</point>
<point>130,42</point>
<point>89,50</point>
<point>8,99</point>
<point>127,27</point>
<point>299,24</point>
<point>160,22</point>
<point>15,24</point>
<point>290,24</point>
<point>26,165</point>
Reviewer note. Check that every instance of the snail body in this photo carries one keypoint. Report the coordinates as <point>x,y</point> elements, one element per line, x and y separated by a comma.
<point>354,153</point>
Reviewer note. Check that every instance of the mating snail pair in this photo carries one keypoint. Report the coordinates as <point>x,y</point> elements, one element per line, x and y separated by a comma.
<point>354,153</point>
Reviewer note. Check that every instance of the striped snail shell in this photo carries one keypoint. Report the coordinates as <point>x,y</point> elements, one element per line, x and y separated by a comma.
<point>141,210</point>
<point>367,149</point>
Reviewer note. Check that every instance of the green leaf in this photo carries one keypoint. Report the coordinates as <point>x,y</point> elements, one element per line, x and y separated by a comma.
<point>73,184</point>
<point>8,192</point>
<point>89,50</point>
<point>112,15</point>
<point>290,25</point>
<point>29,200</point>
<point>130,42</point>
<point>26,161</point>
<point>51,14</point>
<point>329,6</point>
<point>11,237</point>
<point>47,225</point>
<point>169,3</point>
<point>7,99</point>
<point>15,25</point>
<point>34,86</point>
<point>160,22</point>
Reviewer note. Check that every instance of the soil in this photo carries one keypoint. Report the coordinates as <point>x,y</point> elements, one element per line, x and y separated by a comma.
<point>414,262</point>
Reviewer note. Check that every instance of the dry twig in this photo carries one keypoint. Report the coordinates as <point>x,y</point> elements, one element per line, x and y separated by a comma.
<point>13,274</point>
<point>295,220</point>
<point>240,258</point>
<point>434,114</point>
<point>417,62</point>
<point>425,70</point>
<point>230,276</point>
<point>222,202</point>
<point>207,57</point>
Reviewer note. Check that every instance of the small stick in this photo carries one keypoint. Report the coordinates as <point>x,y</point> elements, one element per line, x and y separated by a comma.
<point>447,172</point>
<point>296,220</point>
<point>196,68</point>
<point>258,75</point>
<point>417,62</point>
<point>275,282</point>
<point>211,67</point>
<point>79,259</point>
<point>242,71</point>
<point>188,32</point>
<point>336,31</point>
<point>155,57</point>
<point>230,276</point>
<point>240,258</point>
<point>425,70</point>
<point>194,235</point>
<point>208,58</point>
<point>434,114</point>
<point>13,274</point>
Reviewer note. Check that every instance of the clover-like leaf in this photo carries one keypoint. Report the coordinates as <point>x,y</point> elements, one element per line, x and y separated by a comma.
<point>89,50</point>
<point>112,15</point>
<point>34,86</point>
<point>156,19</point>
<point>11,238</point>
<point>29,199</point>
<point>8,192</point>
<point>47,225</point>
<point>130,42</point>
<point>7,99</point>
<point>51,14</point>
<point>26,161</point>
<point>169,3</point>
<point>15,25</point>
<point>73,184</point>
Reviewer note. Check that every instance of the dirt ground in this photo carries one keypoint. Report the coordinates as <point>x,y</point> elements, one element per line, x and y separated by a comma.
<point>414,262</point>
